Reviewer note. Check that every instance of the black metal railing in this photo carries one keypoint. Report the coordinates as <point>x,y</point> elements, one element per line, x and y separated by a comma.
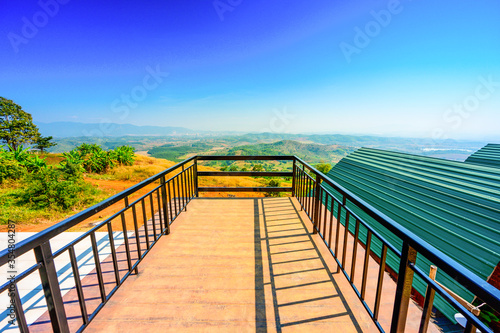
<point>152,214</point>
<point>320,204</point>
<point>167,198</point>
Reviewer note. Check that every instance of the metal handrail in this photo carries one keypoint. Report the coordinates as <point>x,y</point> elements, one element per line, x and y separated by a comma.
<point>485,291</point>
<point>45,235</point>
<point>412,244</point>
<point>311,186</point>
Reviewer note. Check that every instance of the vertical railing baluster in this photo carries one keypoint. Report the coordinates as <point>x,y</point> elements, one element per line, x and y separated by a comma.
<point>145,220</point>
<point>164,204</point>
<point>113,253</point>
<point>325,213</point>
<point>137,236</point>
<point>19,311</point>
<point>309,197</point>
<point>195,177</point>
<point>429,300</point>
<point>179,179</point>
<point>183,183</point>
<point>366,263</point>
<point>78,285</point>
<point>174,198</point>
<point>160,215</point>
<point>317,208</point>
<point>171,212</point>
<point>380,282</point>
<point>403,290</point>
<point>125,239</point>
<point>346,235</point>
<point>337,232</point>
<point>51,289</point>
<point>153,219</point>
<point>332,203</point>
<point>354,251</point>
<point>293,178</point>
<point>98,269</point>
<point>302,190</point>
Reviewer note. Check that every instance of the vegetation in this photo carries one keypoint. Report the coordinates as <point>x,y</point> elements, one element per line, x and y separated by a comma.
<point>177,153</point>
<point>323,167</point>
<point>44,142</point>
<point>16,125</point>
<point>93,159</point>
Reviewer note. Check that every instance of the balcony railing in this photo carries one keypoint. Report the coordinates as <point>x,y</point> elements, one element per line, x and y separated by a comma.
<point>169,193</point>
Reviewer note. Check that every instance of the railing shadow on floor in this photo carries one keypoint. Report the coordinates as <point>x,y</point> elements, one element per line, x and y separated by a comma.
<point>291,270</point>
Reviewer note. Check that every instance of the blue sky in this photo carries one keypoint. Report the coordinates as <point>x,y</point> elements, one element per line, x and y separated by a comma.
<point>412,68</point>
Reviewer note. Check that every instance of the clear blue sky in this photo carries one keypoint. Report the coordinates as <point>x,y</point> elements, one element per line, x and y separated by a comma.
<point>422,69</point>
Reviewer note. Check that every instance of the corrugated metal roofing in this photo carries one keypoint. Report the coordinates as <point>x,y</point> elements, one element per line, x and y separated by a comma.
<point>452,205</point>
<point>489,155</point>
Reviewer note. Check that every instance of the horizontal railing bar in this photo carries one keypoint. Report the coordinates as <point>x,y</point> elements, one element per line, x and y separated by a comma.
<point>21,276</point>
<point>462,275</point>
<point>244,189</point>
<point>246,173</point>
<point>245,158</point>
<point>45,235</point>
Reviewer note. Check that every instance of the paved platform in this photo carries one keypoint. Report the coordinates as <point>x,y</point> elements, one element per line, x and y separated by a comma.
<point>233,265</point>
<point>237,265</point>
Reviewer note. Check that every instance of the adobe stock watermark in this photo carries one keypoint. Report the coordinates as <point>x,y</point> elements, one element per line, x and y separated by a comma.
<point>280,122</point>
<point>455,115</point>
<point>122,106</point>
<point>223,6</point>
<point>30,27</point>
<point>363,36</point>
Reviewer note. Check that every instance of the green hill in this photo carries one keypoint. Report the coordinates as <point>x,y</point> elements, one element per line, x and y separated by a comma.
<point>310,152</point>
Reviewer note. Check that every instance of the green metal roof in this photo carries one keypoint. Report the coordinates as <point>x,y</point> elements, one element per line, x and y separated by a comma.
<point>454,206</point>
<point>489,155</point>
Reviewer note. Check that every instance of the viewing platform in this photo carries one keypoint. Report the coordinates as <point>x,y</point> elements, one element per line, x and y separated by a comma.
<point>177,261</point>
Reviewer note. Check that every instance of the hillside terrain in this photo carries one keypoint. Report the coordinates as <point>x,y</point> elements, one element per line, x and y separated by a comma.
<point>108,183</point>
<point>176,147</point>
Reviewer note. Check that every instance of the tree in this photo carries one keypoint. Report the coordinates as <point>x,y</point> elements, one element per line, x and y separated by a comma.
<point>324,167</point>
<point>16,125</point>
<point>44,142</point>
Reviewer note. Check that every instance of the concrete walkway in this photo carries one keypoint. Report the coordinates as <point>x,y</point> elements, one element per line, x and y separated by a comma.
<point>235,265</point>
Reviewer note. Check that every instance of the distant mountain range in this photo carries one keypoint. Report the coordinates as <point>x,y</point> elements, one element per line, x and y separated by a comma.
<point>73,129</point>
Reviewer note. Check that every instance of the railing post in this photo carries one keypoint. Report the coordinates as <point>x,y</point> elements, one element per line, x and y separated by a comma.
<point>293,179</point>
<point>51,289</point>
<point>164,203</point>
<point>195,176</point>
<point>315,214</point>
<point>403,290</point>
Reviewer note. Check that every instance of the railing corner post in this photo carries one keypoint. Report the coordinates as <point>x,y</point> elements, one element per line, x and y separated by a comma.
<point>403,290</point>
<point>51,289</point>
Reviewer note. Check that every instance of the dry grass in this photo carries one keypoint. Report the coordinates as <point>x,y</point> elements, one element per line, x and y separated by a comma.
<point>143,168</point>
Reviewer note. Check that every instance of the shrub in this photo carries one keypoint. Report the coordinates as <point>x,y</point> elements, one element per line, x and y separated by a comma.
<point>94,159</point>
<point>124,155</point>
<point>10,169</point>
<point>55,188</point>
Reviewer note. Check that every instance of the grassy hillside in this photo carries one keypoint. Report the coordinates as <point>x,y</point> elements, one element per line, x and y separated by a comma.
<point>310,152</point>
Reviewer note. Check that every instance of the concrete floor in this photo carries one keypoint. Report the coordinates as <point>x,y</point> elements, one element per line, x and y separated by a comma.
<point>236,265</point>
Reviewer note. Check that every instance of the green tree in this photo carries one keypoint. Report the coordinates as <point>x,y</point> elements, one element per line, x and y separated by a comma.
<point>324,167</point>
<point>16,125</point>
<point>44,142</point>
<point>258,167</point>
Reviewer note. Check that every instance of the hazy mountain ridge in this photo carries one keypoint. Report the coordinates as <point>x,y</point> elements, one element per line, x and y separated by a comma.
<point>74,129</point>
